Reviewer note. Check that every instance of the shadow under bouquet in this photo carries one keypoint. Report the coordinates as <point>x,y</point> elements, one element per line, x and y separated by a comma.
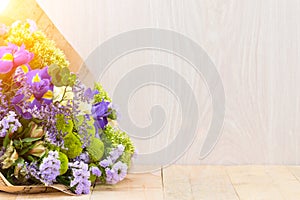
<point>53,129</point>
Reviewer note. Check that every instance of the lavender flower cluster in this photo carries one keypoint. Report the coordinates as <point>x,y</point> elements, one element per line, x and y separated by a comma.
<point>115,170</point>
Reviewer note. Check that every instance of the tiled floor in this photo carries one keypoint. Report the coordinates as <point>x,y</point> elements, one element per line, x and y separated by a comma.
<point>195,182</point>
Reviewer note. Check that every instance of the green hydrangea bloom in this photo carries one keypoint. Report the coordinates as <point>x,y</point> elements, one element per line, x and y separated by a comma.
<point>91,130</point>
<point>115,137</point>
<point>126,158</point>
<point>61,124</point>
<point>73,145</point>
<point>95,149</point>
<point>63,163</point>
<point>101,95</point>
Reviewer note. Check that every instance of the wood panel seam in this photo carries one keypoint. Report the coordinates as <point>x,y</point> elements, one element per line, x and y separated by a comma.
<point>162,181</point>
<point>235,191</point>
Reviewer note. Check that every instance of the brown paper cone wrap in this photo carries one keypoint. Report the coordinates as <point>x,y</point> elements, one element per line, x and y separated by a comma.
<point>6,186</point>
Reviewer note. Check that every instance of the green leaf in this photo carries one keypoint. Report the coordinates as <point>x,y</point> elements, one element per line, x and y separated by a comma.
<point>52,68</point>
<point>19,160</point>
<point>30,158</point>
<point>65,71</point>
<point>25,150</point>
<point>6,140</point>
<point>17,144</point>
<point>30,139</point>
<point>61,76</point>
<point>72,79</point>
<point>65,80</point>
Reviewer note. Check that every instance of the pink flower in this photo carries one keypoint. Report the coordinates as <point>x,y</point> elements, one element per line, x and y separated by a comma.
<point>12,56</point>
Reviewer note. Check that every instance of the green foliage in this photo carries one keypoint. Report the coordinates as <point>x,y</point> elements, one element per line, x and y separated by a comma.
<point>61,76</point>
<point>23,146</point>
<point>115,137</point>
<point>113,114</point>
<point>101,95</point>
<point>6,140</point>
<point>73,145</point>
<point>95,149</point>
<point>63,163</point>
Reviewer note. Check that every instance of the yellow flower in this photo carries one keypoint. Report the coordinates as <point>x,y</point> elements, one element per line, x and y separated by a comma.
<point>35,41</point>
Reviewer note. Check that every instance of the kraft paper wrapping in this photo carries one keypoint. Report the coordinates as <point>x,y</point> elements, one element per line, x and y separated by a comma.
<point>6,186</point>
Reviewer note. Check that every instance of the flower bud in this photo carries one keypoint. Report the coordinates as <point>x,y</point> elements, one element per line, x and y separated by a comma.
<point>35,130</point>
<point>38,149</point>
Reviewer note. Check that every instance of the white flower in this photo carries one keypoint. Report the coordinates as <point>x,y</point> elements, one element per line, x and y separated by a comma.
<point>58,93</point>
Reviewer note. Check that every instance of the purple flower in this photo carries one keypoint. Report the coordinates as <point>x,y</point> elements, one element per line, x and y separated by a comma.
<point>20,73</point>
<point>96,171</point>
<point>116,174</point>
<point>106,162</point>
<point>32,170</point>
<point>116,152</point>
<point>81,176</point>
<point>9,124</point>
<point>110,176</point>
<point>89,93</point>
<point>41,86</point>
<point>83,157</point>
<point>49,168</point>
<point>100,113</point>
<point>36,90</point>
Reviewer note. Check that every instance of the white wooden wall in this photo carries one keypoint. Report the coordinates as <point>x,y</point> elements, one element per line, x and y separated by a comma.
<point>255,45</point>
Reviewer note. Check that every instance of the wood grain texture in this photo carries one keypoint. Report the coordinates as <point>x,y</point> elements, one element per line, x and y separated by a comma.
<point>264,182</point>
<point>197,182</point>
<point>142,186</point>
<point>254,45</point>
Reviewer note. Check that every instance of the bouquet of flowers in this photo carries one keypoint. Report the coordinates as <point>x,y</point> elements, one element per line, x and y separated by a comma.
<point>52,128</point>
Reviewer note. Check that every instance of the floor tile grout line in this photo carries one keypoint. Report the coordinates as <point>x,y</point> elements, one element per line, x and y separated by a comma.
<point>293,174</point>
<point>162,182</point>
<point>228,176</point>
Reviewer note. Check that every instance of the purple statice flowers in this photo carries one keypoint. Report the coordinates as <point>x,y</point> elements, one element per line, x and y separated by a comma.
<point>114,155</point>
<point>95,171</point>
<point>116,152</point>
<point>115,170</point>
<point>47,171</point>
<point>49,168</point>
<point>81,174</point>
<point>9,123</point>
<point>116,173</point>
